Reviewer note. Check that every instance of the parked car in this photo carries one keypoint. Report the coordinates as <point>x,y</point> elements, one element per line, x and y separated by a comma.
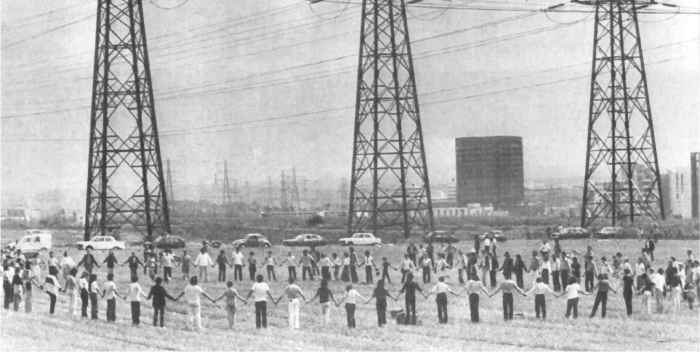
<point>252,240</point>
<point>609,232</point>
<point>361,239</point>
<point>571,233</point>
<point>169,242</point>
<point>101,243</point>
<point>305,240</point>
<point>34,241</point>
<point>439,237</point>
<point>495,234</point>
<point>216,244</point>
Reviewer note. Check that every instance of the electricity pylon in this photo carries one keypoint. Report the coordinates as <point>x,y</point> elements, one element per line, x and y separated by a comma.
<point>125,182</point>
<point>622,182</point>
<point>389,184</point>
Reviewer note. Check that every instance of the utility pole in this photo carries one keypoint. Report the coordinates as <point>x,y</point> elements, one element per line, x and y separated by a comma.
<point>622,182</point>
<point>125,183</point>
<point>295,191</point>
<point>284,200</point>
<point>389,184</point>
<point>227,198</point>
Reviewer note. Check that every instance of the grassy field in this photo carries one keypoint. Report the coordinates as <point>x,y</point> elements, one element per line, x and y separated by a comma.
<point>39,331</point>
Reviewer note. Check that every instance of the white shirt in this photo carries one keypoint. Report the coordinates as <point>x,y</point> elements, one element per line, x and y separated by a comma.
<point>440,287</point>
<point>260,290</point>
<point>546,265</point>
<point>270,261</point>
<point>52,284</point>
<point>238,258</point>
<point>83,283</point>
<point>640,269</point>
<point>487,242</point>
<point>168,259</point>
<point>203,259</point>
<point>572,290</point>
<point>110,289</point>
<point>135,292</point>
<point>352,296</point>
<point>53,261</point>
<point>658,280</point>
<point>67,262</point>
<point>540,288</point>
<point>192,294</point>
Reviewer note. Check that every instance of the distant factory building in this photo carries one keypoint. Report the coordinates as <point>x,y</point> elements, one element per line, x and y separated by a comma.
<point>695,185</point>
<point>490,171</point>
<point>681,190</point>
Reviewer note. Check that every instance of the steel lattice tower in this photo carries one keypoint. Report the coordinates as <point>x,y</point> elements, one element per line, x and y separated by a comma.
<point>125,172</point>
<point>389,185</point>
<point>622,181</point>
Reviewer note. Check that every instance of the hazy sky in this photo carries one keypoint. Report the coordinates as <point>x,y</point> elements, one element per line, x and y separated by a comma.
<point>270,84</point>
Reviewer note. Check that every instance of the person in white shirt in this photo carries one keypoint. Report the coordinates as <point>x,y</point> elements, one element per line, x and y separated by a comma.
<point>52,287</point>
<point>167,261</point>
<point>237,259</point>
<point>572,291</point>
<point>270,263</point>
<point>291,263</point>
<point>192,293</point>
<point>67,264</point>
<point>370,266</point>
<point>540,289</point>
<point>134,296</point>
<point>260,293</point>
<point>84,287</point>
<point>639,270</point>
<point>293,293</point>
<point>203,261</point>
<point>407,266</point>
<point>351,299</point>
<point>659,282</point>
<point>109,292</point>
<point>440,290</point>
<point>325,263</point>
<point>73,291</point>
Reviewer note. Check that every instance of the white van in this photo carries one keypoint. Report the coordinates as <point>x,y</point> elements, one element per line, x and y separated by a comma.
<point>35,241</point>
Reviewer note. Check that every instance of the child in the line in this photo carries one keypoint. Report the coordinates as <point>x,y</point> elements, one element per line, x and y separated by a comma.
<point>291,263</point>
<point>385,269</point>
<point>540,289</point>
<point>337,264</point>
<point>440,290</point>
<point>380,294</point>
<point>8,273</point>
<point>572,294</point>
<point>370,266</point>
<point>409,289</point>
<point>158,293</point>
<point>601,297</point>
<point>93,290</point>
<point>324,295</point>
<point>426,264</point>
<point>473,288</point>
<point>222,262</point>
<point>109,291</point>
<point>52,287</point>
<point>690,293</point>
<point>84,286</point>
<point>72,290</point>
<point>270,263</point>
<point>17,289</point>
<point>306,264</point>
<point>325,263</point>
<point>252,266</point>
<point>627,289</point>
<point>350,299</point>
<point>231,294</point>
<point>29,280</point>
<point>134,296</point>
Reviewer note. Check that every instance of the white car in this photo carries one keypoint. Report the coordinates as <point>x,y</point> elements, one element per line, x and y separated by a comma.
<point>35,241</point>
<point>361,239</point>
<point>101,243</point>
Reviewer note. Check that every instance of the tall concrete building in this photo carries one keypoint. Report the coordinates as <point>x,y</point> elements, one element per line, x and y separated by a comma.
<point>490,171</point>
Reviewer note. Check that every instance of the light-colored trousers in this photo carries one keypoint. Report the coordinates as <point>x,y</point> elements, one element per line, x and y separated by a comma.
<point>294,313</point>
<point>194,317</point>
<point>73,303</point>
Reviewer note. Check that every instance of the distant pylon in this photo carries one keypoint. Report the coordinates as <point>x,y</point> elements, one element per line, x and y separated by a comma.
<point>622,181</point>
<point>284,200</point>
<point>295,191</point>
<point>227,198</point>
<point>125,183</point>
<point>268,190</point>
<point>389,185</point>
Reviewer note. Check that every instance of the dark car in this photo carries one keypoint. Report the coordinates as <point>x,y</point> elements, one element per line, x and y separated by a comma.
<point>439,237</point>
<point>169,242</point>
<point>252,240</point>
<point>305,240</point>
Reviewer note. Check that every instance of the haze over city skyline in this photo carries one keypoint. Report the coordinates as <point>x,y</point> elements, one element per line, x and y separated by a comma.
<point>270,85</point>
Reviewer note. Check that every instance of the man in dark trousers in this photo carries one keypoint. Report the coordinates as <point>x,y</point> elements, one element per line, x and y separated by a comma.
<point>158,293</point>
<point>88,261</point>
<point>110,260</point>
<point>133,261</point>
<point>507,267</point>
<point>409,289</point>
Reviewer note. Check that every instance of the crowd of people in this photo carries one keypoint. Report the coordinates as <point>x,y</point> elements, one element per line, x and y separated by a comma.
<point>479,272</point>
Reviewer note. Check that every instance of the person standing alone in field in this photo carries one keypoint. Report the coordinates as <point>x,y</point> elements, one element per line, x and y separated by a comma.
<point>158,294</point>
